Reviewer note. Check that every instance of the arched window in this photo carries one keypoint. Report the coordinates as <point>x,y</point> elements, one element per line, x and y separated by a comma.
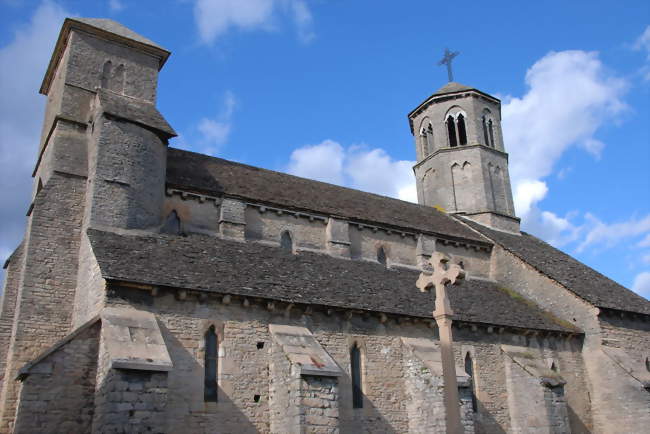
<point>647,363</point>
<point>462,133</point>
<point>491,132</point>
<point>424,143</point>
<point>172,224</point>
<point>381,256</point>
<point>451,131</point>
<point>106,74</point>
<point>469,370</point>
<point>286,243</point>
<point>429,139</point>
<point>112,78</point>
<point>553,367</point>
<point>355,372</point>
<point>485,132</point>
<point>210,365</point>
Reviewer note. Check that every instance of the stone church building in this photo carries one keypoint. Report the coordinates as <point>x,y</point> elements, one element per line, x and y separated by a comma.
<point>159,290</point>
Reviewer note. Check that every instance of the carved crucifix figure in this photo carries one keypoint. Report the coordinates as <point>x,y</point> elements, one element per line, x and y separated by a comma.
<point>445,273</point>
<point>446,60</point>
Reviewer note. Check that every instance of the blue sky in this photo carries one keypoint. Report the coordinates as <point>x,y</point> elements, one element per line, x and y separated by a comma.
<point>322,88</point>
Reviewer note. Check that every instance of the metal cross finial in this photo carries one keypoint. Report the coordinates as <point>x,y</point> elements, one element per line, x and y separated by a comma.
<point>446,60</point>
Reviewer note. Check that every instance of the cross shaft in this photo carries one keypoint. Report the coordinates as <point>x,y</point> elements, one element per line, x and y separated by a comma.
<point>446,60</point>
<point>442,275</point>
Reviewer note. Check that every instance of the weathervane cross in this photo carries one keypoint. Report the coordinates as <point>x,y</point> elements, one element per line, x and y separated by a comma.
<point>446,60</point>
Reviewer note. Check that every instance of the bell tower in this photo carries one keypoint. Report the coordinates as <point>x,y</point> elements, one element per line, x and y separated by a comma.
<point>462,166</point>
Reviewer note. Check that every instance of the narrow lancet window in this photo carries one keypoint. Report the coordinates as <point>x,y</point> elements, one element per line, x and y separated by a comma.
<point>429,139</point>
<point>462,133</point>
<point>172,224</point>
<point>106,74</point>
<point>355,368</point>
<point>491,130</point>
<point>451,130</point>
<point>286,243</point>
<point>469,370</point>
<point>485,132</point>
<point>381,256</point>
<point>211,360</point>
<point>424,142</point>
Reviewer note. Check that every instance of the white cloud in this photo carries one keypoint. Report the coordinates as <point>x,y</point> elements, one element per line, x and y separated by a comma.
<point>645,242</point>
<point>214,18</point>
<point>215,131</point>
<point>359,167</point>
<point>323,162</point>
<point>641,284</point>
<point>23,61</point>
<point>593,146</point>
<point>570,95</point>
<point>564,172</point>
<point>646,259</point>
<point>643,44</point>
<point>600,233</point>
<point>527,193</point>
<point>304,20</point>
<point>115,5</point>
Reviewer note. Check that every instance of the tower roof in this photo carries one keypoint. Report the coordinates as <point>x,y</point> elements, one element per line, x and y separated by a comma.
<point>103,28</point>
<point>452,87</point>
<point>116,28</point>
<point>444,93</point>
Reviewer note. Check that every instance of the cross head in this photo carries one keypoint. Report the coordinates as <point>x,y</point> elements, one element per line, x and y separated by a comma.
<point>443,273</point>
<point>446,60</point>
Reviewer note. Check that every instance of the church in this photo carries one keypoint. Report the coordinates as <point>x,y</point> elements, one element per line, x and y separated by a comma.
<point>158,290</point>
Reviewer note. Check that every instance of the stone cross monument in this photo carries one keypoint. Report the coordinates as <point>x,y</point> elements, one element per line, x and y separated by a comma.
<point>446,60</point>
<point>442,275</point>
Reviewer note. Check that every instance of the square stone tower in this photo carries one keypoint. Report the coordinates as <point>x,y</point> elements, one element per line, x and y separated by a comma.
<point>462,166</point>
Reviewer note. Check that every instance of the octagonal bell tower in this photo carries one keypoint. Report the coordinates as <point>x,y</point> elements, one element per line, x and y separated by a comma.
<point>462,166</point>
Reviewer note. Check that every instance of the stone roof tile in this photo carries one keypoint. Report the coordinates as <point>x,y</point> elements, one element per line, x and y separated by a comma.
<point>452,87</point>
<point>135,110</point>
<point>116,28</point>
<point>577,277</point>
<point>206,263</point>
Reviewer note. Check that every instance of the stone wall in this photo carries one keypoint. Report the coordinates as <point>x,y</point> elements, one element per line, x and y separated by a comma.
<point>58,393</point>
<point>8,305</point>
<point>585,414</point>
<point>197,213</point>
<point>91,287</point>
<point>426,406</point>
<point>250,393</point>
<point>623,400</point>
<point>534,408</point>
<point>203,214</point>
<point>263,224</point>
<point>126,173</point>
<point>48,280</point>
<point>319,402</point>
